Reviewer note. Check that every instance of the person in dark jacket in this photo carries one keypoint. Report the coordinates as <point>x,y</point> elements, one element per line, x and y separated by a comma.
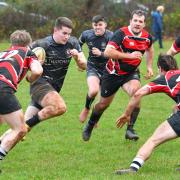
<point>157,24</point>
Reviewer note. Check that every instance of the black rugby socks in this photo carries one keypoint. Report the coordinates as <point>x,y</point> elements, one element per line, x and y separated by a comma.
<point>94,118</point>
<point>33,121</point>
<point>89,101</point>
<point>134,116</point>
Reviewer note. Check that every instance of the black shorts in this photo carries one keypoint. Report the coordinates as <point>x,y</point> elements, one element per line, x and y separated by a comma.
<point>95,69</point>
<point>111,83</point>
<point>174,121</point>
<point>8,101</point>
<point>39,89</point>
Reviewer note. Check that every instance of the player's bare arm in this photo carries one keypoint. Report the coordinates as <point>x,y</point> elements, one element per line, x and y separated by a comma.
<point>80,59</point>
<point>149,62</point>
<point>111,52</point>
<point>134,101</point>
<point>36,71</point>
<point>172,51</point>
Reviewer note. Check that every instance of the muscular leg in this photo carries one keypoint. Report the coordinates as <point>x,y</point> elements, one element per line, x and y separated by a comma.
<point>53,105</point>
<point>30,112</point>
<point>18,129</point>
<point>93,86</point>
<point>130,88</point>
<point>95,115</point>
<point>162,134</point>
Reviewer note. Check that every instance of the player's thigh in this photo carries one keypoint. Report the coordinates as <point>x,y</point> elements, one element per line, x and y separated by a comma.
<point>163,133</point>
<point>131,86</point>
<point>52,98</point>
<point>14,119</point>
<point>93,83</point>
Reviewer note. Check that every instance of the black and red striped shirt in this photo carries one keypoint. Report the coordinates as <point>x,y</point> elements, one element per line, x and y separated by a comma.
<point>176,44</point>
<point>169,84</point>
<point>14,64</point>
<point>124,41</point>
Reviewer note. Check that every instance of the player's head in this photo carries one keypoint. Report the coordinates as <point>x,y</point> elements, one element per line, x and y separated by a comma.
<point>99,25</point>
<point>166,62</point>
<point>62,30</point>
<point>20,38</point>
<point>137,21</point>
<point>160,9</point>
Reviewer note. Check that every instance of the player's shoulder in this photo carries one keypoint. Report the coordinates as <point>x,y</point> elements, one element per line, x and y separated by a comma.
<point>44,42</point>
<point>146,34</point>
<point>108,32</point>
<point>120,31</point>
<point>73,40</point>
<point>88,33</point>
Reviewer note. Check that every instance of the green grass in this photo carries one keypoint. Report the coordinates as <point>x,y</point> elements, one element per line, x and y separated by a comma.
<point>54,149</point>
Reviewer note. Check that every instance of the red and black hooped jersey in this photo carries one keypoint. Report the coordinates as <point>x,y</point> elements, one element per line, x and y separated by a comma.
<point>123,40</point>
<point>14,63</point>
<point>169,84</point>
<point>176,44</point>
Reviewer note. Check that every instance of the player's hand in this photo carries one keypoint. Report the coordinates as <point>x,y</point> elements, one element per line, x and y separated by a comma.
<point>80,69</point>
<point>96,51</point>
<point>74,52</point>
<point>135,55</point>
<point>123,119</point>
<point>149,73</point>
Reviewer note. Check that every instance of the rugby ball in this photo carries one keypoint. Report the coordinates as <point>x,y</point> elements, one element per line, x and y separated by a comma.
<point>40,53</point>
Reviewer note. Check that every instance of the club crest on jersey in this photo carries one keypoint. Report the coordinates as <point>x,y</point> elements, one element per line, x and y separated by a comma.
<point>131,43</point>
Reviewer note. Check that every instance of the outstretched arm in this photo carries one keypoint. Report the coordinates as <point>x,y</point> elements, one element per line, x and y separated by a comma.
<point>134,101</point>
<point>149,62</point>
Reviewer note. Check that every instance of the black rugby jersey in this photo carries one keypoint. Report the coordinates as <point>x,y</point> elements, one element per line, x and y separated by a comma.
<point>169,84</point>
<point>176,44</point>
<point>14,64</point>
<point>124,41</point>
<point>92,40</point>
<point>57,59</point>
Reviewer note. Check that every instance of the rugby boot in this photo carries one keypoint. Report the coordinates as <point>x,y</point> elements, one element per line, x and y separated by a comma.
<point>125,171</point>
<point>87,132</point>
<point>131,135</point>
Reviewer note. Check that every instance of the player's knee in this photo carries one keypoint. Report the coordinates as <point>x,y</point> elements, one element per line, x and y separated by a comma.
<point>155,142</point>
<point>93,93</point>
<point>22,132</point>
<point>101,106</point>
<point>61,109</point>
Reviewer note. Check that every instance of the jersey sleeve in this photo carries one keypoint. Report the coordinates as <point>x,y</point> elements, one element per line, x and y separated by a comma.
<point>176,44</point>
<point>116,39</point>
<point>82,39</point>
<point>29,59</point>
<point>76,44</point>
<point>158,85</point>
<point>151,40</point>
<point>44,43</point>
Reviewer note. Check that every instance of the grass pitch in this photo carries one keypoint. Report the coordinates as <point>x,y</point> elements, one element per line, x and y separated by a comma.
<point>55,150</point>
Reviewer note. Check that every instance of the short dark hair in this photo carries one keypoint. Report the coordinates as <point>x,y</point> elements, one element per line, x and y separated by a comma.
<point>98,18</point>
<point>139,13</point>
<point>63,21</point>
<point>20,38</point>
<point>167,62</point>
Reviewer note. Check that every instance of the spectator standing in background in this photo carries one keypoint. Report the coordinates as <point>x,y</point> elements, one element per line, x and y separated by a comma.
<point>157,24</point>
